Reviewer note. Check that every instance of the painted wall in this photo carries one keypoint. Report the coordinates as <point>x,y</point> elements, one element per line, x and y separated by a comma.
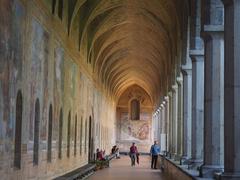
<point>138,131</point>
<point>36,58</point>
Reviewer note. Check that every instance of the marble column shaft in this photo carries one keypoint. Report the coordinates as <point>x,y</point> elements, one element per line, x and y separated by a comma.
<point>170,141</point>
<point>174,117</point>
<point>213,99</point>
<point>187,112</point>
<point>197,57</point>
<point>180,118</point>
<point>232,90</point>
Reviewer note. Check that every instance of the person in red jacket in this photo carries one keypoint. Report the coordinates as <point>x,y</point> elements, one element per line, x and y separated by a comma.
<point>133,153</point>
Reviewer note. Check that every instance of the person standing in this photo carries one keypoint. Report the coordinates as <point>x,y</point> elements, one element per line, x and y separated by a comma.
<point>154,151</point>
<point>133,152</point>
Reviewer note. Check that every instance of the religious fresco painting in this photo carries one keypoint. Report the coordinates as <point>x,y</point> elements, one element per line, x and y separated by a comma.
<point>134,130</point>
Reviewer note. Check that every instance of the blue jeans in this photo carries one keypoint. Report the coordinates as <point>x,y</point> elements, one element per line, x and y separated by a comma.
<point>133,158</point>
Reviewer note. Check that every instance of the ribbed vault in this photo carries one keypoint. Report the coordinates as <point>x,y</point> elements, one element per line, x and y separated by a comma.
<point>128,42</point>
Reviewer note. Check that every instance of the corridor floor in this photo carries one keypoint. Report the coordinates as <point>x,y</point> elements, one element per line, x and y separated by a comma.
<point>120,169</point>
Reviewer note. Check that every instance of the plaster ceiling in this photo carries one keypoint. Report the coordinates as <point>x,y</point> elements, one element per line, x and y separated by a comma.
<point>129,42</point>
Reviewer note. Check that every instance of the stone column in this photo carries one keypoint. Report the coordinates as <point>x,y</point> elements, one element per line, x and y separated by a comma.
<point>213,100</point>
<point>159,125</point>
<point>180,118</point>
<point>212,34</point>
<point>170,124</point>
<point>167,121</point>
<point>232,91</point>
<point>163,128</point>
<point>197,57</point>
<point>187,112</point>
<point>174,118</point>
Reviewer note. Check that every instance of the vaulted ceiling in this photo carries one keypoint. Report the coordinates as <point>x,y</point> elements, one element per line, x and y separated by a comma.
<point>129,42</point>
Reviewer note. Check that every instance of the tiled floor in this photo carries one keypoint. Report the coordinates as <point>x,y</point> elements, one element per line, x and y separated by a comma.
<point>120,169</point>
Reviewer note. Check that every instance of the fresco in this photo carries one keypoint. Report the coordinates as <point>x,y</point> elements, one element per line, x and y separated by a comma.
<point>17,39</point>
<point>4,51</point>
<point>133,130</point>
<point>58,86</point>
<point>39,74</point>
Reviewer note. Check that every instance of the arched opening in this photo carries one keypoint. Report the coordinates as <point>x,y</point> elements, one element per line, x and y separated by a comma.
<point>81,135</point>
<point>75,137</point>
<point>49,150</point>
<point>60,134</point>
<point>68,134</point>
<point>36,133</point>
<point>85,141</point>
<point>90,141</point>
<point>135,109</point>
<point>18,130</point>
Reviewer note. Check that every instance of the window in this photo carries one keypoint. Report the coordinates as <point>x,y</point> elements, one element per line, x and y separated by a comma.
<point>68,134</point>
<point>60,9</point>
<point>36,133</point>
<point>18,130</point>
<point>75,137</point>
<point>49,150</point>
<point>135,109</point>
<point>53,6</point>
<point>60,134</point>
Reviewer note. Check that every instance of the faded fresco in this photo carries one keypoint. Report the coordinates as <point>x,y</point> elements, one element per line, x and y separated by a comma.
<point>58,87</point>
<point>5,19</point>
<point>39,74</point>
<point>134,130</point>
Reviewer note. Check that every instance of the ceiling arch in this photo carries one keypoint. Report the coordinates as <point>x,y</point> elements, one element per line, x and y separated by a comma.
<point>130,42</point>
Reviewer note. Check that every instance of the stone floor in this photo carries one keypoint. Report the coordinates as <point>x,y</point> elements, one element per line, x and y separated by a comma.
<point>120,169</point>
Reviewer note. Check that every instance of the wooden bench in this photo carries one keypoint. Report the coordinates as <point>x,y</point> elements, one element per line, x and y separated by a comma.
<point>80,173</point>
<point>105,163</point>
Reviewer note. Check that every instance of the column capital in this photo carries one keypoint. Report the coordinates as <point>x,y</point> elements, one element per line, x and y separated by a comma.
<point>179,80</point>
<point>212,31</point>
<point>174,87</point>
<point>197,55</point>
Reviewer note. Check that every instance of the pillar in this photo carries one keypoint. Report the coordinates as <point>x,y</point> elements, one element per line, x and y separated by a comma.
<point>187,112</point>
<point>232,91</point>
<point>197,57</point>
<point>180,118</point>
<point>174,118</point>
<point>212,34</point>
<point>163,127</point>
<point>170,149</point>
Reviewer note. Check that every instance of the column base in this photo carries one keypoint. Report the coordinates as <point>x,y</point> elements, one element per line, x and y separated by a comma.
<point>195,163</point>
<point>185,160</point>
<point>177,157</point>
<point>229,176</point>
<point>208,171</point>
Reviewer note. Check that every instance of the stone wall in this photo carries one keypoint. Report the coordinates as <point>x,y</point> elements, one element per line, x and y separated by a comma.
<point>39,60</point>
